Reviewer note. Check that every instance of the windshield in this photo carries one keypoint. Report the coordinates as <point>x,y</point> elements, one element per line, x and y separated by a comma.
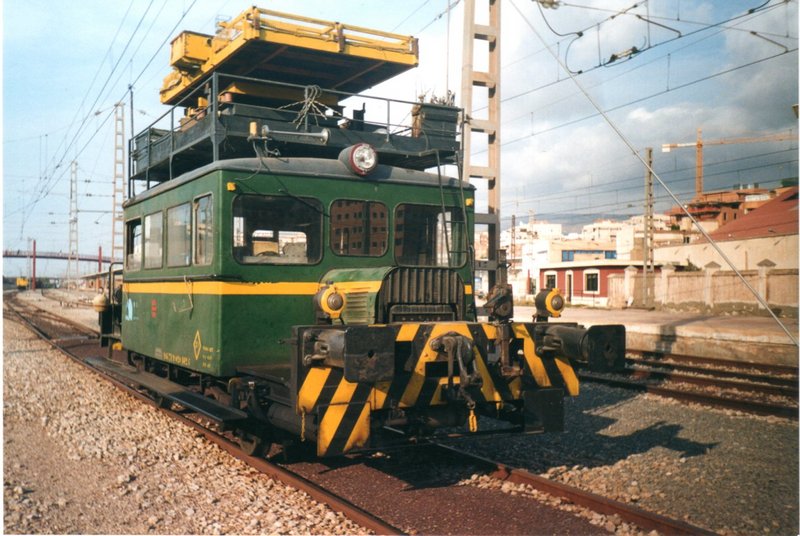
<point>277,230</point>
<point>426,236</point>
<point>359,228</point>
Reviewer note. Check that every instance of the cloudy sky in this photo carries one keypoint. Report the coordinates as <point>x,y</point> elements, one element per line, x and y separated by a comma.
<point>728,67</point>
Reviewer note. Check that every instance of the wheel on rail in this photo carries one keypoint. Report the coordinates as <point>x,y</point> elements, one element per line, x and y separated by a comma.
<point>161,401</point>
<point>217,393</point>
<point>252,444</point>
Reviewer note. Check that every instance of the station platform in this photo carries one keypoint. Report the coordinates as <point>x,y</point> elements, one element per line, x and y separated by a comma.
<point>754,339</point>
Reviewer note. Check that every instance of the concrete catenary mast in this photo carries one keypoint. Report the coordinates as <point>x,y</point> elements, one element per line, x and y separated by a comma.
<point>489,126</point>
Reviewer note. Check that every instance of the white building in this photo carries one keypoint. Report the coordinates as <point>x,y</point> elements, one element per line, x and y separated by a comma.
<point>532,245</point>
<point>602,231</point>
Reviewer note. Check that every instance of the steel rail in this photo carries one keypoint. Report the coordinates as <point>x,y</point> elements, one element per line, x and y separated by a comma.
<point>290,478</point>
<point>294,480</point>
<point>748,406</point>
<point>790,382</point>
<point>33,327</point>
<point>641,371</point>
<point>84,329</point>
<point>680,358</point>
<point>597,503</point>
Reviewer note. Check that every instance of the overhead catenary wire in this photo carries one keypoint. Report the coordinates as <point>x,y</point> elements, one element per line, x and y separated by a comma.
<point>570,193</point>
<point>97,72</point>
<point>138,47</point>
<point>638,66</point>
<point>161,45</point>
<point>601,112</point>
<point>635,51</point>
<point>50,181</point>
<point>684,20</point>
<point>45,188</point>
<point>105,84</point>
<point>586,209</point>
<point>638,155</point>
<point>414,12</point>
<point>450,6</point>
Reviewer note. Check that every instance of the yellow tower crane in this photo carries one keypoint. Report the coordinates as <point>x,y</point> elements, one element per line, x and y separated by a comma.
<point>698,177</point>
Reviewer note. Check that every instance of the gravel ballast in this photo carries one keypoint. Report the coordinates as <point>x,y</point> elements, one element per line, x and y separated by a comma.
<point>721,470</point>
<point>82,457</point>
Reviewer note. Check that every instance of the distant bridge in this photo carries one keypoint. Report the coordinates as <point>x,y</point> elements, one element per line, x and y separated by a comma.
<point>24,254</point>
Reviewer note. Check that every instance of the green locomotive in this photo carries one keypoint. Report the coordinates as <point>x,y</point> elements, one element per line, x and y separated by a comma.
<point>283,283</point>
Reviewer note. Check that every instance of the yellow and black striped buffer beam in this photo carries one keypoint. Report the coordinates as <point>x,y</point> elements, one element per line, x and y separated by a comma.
<point>342,408</point>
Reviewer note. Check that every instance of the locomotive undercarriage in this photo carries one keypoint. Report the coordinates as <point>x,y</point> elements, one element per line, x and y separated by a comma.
<point>350,387</point>
<point>376,410</point>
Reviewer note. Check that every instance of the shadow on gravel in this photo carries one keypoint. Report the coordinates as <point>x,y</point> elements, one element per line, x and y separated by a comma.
<point>586,440</point>
<point>583,443</point>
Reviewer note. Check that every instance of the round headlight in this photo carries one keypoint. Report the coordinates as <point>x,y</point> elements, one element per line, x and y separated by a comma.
<point>330,301</point>
<point>549,303</point>
<point>361,158</point>
<point>556,302</point>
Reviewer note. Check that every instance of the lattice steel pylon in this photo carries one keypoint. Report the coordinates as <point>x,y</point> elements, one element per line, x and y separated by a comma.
<point>119,183</point>
<point>490,126</point>
<point>72,258</point>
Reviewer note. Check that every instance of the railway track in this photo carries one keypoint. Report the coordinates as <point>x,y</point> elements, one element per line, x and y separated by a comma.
<point>44,323</point>
<point>48,325</point>
<point>751,388</point>
<point>597,503</point>
<point>52,328</point>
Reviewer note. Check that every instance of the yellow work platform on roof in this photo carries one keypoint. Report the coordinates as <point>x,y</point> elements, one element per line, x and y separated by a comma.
<point>288,48</point>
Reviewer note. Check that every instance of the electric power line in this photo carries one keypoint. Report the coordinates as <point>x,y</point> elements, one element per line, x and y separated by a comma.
<point>647,97</point>
<point>94,104</point>
<point>569,194</point>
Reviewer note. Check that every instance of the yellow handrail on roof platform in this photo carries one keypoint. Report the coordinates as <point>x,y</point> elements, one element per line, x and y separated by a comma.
<point>288,48</point>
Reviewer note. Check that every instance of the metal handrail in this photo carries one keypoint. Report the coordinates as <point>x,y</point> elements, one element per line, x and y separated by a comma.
<point>345,34</point>
<point>218,82</point>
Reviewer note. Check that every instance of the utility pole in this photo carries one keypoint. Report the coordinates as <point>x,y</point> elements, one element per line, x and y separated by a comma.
<point>648,266</point>
<point>513,256</point>
<point>470,78</point>
<point>72,257</point>
<point>119,182</point>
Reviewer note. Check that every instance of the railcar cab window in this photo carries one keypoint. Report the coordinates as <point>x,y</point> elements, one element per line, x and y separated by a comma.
<point>153,224</point>
<point>359,228</point>
<point>203,230</point>
<point>133,245</point>
<point>179,235</point>
<point>424,235</point>
<point>277,230</point>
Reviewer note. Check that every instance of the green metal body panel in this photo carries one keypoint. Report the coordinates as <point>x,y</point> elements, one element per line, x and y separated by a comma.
<point>215,318</point>
<point>361,306</point>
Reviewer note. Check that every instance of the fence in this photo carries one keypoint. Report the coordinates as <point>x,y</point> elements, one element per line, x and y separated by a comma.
<point>709,290</point>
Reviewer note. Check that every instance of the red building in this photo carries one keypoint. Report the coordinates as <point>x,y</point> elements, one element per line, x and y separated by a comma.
<point>585,282</point>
